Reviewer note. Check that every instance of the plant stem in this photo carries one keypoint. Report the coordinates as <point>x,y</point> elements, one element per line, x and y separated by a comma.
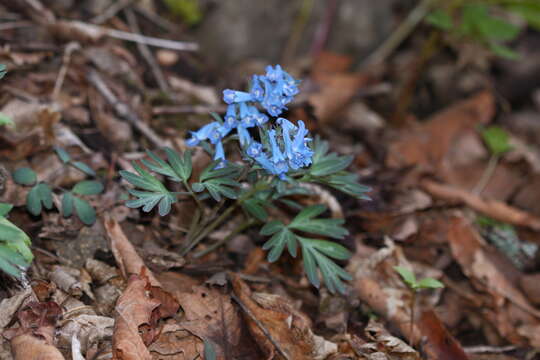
<point>413,305</point>
<point>194,196</point>
<point>486,175</point>
<point>400,34</point>
<point>208,229</point>
<point>246,224</point>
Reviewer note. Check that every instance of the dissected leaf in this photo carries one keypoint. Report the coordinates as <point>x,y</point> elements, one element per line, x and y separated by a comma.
<point>25,176</point>
<point>328,227</point>
<point>278,242</point>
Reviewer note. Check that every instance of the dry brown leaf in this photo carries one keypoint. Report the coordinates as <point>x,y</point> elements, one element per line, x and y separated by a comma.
<point>210,315</point>
<point>393,346</point>
<point>133,315</point>
<point>510,308</point>
<point>379,285</point>
<point>492,208</point>
<point>125,254</point>
<point>427,144</point>
<point>440,344</point>
<point>290,329</point>
<point>34,338</point>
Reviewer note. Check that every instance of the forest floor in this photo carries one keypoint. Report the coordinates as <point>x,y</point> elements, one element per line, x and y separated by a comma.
<point>443,202</point>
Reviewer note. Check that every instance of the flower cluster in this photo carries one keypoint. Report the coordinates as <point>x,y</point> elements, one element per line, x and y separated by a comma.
<point>283,145</point>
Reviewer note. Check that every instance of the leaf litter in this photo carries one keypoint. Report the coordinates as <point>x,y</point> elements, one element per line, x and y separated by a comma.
<point>111,290</point>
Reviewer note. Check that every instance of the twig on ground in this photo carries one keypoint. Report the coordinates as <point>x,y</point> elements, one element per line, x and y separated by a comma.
<point>152,41</point>
<point>156,19</point>
<point>489,349</point>
<point>486,175</point>
<point>260,325</point>
<point>111,11</point>
<point>188,109</point>
<point>70,48</point>
<point>400,34</point>
<point>122,109</point>
<point>492,208</point>
<point>146,53</point>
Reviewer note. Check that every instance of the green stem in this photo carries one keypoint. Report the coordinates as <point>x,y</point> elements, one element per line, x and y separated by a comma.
<point>486,175</point>
<point>208,229</point>
<point>194,196</point>
<point>413,305</point>
<point>243,226</point>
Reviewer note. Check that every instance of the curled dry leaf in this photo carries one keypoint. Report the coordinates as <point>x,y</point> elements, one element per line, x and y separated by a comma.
<point>388,344</point>
<point>289,328</point>
<point>125,254</point>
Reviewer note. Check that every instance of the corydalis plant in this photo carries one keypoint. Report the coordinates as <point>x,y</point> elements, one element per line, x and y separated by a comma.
<point>278,156</point>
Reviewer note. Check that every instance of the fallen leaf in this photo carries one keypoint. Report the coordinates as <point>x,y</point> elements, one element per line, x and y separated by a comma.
<point>125,254</point>
<point>133,317</point>
<point>440,344</point>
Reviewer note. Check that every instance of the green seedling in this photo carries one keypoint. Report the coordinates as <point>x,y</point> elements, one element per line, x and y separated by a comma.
<point>414,286</point>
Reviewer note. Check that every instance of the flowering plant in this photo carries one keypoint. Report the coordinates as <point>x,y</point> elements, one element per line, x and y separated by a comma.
<point>278,160</point>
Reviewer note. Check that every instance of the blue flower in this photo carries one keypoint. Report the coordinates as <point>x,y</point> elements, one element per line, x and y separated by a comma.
<point>202,134</point>
<point>254,149</point>
<point>219,154</point>
<point>297,152</point>
<point>256,89</point>
<point>233,96</point>
<point>247,117</point>
<point>230,117</point>
<point>243,136</point>
<point>274,74</point>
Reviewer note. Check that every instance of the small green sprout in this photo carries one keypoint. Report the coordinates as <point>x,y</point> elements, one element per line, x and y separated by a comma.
<point>410,279</point>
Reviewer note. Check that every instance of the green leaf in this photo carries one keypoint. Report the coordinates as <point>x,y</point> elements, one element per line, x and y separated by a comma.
<point>331,249</point>
<point>429,283</point>
<point>277,244</point>
<point>326,164</point>
<point>67,204</point>
<point>254,208</point>
<point>440,19</point>
<point>497,140</point>
<point>62,154</point>
<point>2,70</point>
<point>407,275</point>
<point>33,201</point>
<point>219,182</point>
<point>11,262</point>
<point>84,211</point>
<point>328,227</point>
<point>15,239</point>
<point>503,51</point>
<point>84,168</point>
<point>182,167</point>
<point>25,176</point>
<point>272,227</point>
<point>346,183</point>
<point>5,208</point>
<point>88,187</point>
<point>188,10</point>
<point>39,196</point>
<point>530,12</point>
<point>333,275</point>
<point>497,29</point>
<point>6,120</point>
